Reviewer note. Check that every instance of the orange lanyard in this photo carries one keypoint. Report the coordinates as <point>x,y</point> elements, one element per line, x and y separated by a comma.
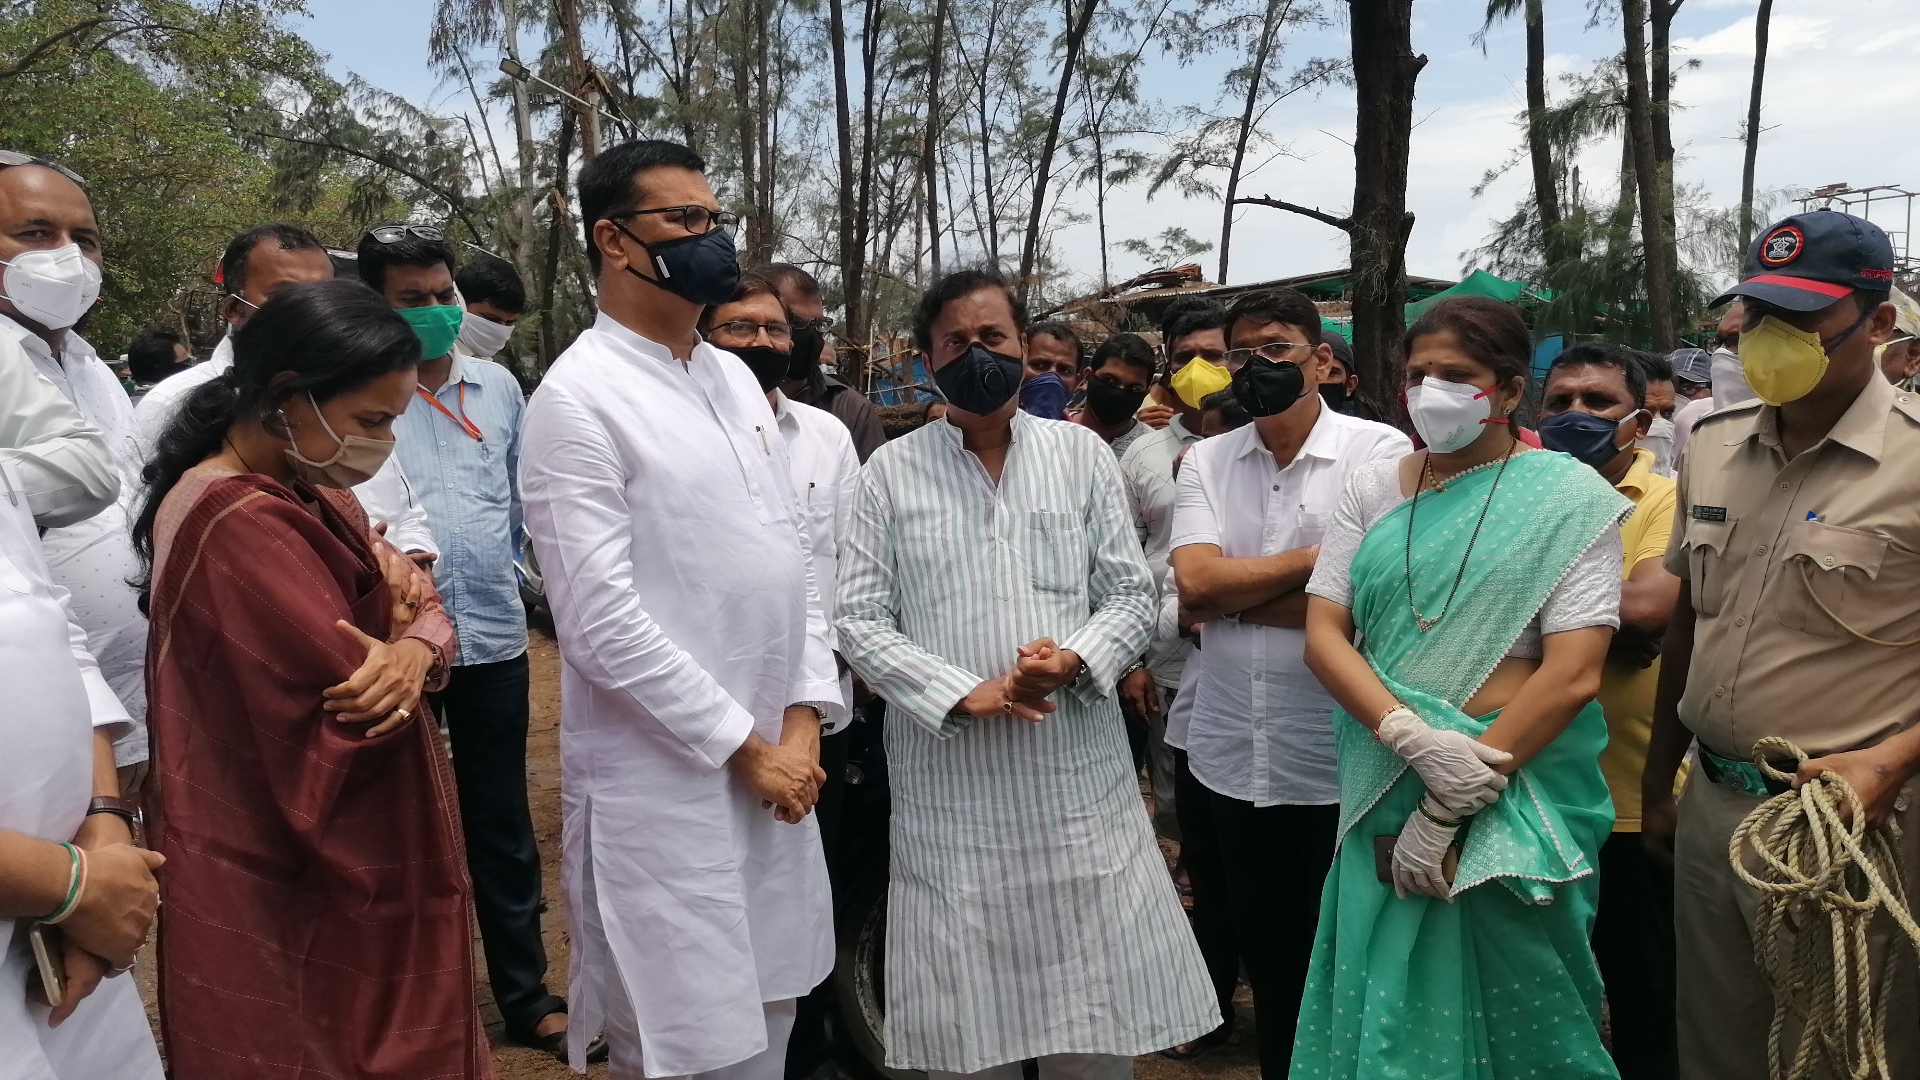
<point>466,425</point>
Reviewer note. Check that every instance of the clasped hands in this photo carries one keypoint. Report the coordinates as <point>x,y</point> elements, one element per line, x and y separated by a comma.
<point>1040,668</point>
<point>787,775</point>
<point>1461,780</point>
<point>386,687</point>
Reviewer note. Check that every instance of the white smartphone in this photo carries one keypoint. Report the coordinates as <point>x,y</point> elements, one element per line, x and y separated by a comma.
<point>49,958</point>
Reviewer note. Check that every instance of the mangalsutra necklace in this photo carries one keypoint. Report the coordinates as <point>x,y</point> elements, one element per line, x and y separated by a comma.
<point>1426,472</point>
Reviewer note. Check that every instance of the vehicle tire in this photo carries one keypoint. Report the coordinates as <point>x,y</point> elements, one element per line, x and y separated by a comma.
<point>859,978</point>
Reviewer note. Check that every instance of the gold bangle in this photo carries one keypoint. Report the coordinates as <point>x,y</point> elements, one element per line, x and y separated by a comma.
<point>1435,818</point>
<point>1382,718</point>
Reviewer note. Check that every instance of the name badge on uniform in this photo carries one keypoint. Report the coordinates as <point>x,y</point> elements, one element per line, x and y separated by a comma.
<point>1709,513</point>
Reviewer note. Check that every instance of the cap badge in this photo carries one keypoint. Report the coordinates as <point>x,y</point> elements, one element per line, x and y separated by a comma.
<point>1782,246</point>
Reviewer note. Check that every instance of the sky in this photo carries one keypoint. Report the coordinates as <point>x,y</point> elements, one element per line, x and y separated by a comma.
<point>1842,98</point>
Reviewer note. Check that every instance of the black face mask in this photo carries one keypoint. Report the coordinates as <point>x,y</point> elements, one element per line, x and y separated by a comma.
<point>1590,439</point>
<point>980,380</point>
<point>1266,387</point>
<point>804,360</point>
<point>702,269</point>
<point>1334,394</point>
<point>1110,404</point>
<point>769,365</point>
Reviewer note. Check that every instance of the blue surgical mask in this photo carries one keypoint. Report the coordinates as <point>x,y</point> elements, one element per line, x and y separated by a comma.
<point>1044,396</point>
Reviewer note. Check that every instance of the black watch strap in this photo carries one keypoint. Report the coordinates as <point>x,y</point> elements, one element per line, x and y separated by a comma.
<point>113,804</point>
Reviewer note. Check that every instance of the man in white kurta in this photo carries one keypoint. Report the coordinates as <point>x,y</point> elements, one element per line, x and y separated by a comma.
<point>695,659</point>
<point>1029,913</point>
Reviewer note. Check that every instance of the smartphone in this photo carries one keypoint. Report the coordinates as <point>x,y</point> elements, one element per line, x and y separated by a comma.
<point>1383,859</point>
<point>49,960</point>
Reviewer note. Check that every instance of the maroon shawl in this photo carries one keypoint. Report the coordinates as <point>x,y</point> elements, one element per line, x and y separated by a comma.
<point>315,898</point>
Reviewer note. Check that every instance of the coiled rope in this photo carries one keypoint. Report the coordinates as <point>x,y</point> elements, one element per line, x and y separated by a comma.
<point>1820,865</point>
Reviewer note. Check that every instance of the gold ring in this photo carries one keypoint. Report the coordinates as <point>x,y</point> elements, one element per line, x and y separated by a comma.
<point>410,604</point>
<point>403,714</point>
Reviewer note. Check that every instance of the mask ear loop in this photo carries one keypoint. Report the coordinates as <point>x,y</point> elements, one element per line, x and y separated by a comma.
<point>1490,419</point>
<point>1827,345</point>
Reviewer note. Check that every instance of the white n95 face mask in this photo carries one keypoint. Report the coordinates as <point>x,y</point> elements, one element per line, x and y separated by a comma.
<point>1448,415</point>
<point>482,337</point>
<point>1659,440</point>
<point>52,286</point>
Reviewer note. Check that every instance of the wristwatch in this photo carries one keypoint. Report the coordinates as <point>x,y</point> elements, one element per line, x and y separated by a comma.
<point>118,807</point>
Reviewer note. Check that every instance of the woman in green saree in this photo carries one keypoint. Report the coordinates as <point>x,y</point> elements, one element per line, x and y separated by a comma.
<point>1483,578</point>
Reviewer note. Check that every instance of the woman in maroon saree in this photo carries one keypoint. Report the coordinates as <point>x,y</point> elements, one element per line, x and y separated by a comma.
<point>314,917</point>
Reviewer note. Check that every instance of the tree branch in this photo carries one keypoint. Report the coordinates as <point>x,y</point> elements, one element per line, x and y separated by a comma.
<point>456,203</point>
<point>1344,224</point>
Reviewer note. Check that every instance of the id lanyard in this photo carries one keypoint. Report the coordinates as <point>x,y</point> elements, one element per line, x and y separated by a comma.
<point>465,424</point>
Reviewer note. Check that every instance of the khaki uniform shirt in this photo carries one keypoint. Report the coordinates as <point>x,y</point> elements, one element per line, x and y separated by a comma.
<point>1789,563</point>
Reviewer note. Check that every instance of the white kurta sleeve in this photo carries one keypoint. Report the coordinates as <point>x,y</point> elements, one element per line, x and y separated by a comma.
<point>64,466</point>
<point>388,497</point>
<point>102,702</point>
<point>818,680</point>
<point>1119,588</point>
<point>574,488</point>
<point>911,679</point>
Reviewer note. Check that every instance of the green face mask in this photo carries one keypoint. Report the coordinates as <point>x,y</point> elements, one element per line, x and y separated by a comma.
<point>436,326</point>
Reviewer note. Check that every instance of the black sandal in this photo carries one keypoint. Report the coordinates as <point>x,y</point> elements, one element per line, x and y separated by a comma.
<point>1216,1038</point>
<point>555,1044</point>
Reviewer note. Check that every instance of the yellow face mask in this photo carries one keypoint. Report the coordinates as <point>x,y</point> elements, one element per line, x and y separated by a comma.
<point>1781,363</point>
<point>1198,379</point>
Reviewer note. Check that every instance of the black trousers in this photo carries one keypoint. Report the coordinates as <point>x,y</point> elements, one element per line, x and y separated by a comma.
<point>1276,860</point>
<point>811,1044</point>
<point>486,710</point>
<point>1633,941</point>
<point>1212,910</point>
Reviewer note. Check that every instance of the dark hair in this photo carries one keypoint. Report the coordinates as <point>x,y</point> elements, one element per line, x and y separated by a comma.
<point>787,277</point>
<point>1130,349</point>
<point>1869,299</point>
<point>610,184</point>
<point>1190,316</point>
<point>150,357</point>
<point>487,280</point>
<point>1657,368</point>
<point>1227,404</point>
<point>1342,352</point>
<point>750,285</point>
<point>233,264</point>
<point>1491,332</point>
<point>952,287</point>
<point>1603,354</point>
<point>1287,306</point>
<point>373,257</point>
<point>333,336</point>
<point>1061,332</point>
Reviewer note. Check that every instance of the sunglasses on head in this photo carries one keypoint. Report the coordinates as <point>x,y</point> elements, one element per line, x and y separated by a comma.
<point>14,157</point>
<point>393,234</point>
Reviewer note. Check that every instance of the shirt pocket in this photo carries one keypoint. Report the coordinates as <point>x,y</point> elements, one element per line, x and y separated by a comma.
<point>1837,578</point>
<point>1707,544</point>
<point>1311,528</point>
<point>1057,551</point>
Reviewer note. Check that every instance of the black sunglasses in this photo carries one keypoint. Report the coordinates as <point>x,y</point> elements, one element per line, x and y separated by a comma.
<point>14,157</point>
<point>393,234</point>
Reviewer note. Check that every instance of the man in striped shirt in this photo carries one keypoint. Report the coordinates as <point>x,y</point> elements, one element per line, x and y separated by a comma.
<point>992,590</point>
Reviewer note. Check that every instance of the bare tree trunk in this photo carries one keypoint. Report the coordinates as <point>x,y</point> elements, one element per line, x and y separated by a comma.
<point>1384,70</point>
<point>579,75</point>
<point>523,137</point>
<point>1760,20</point>
<point>556,236</point>
<point>1076,30</point>
<point>1546,191</point>
<point>1099,187</point>
<point>854,359</point>
<point>986,142</point>
<point>850,268</point>
<point>929,165</point>
<point>1256,78</point>
<point>746,123</point>
<point>1660,90</point>
<point>1646,171</point>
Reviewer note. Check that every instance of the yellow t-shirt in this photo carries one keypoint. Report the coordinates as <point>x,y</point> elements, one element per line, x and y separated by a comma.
<point>1626,692</point>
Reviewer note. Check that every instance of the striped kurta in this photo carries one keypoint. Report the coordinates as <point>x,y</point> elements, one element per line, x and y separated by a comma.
<point>1029,910</point>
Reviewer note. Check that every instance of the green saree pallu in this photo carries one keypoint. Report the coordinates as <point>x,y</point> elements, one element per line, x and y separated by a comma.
<point>1501,981</point>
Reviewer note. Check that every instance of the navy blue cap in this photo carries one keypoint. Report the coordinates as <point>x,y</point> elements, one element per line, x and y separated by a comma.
<point>1694,365</point>
<point>1808,261</point>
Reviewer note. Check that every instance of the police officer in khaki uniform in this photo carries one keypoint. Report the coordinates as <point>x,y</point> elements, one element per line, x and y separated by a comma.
<point>1798,534</point>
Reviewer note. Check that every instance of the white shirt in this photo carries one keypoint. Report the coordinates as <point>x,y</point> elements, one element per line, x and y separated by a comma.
<point>55,697</point>
<point>1262,729</point>
<point>386,497</point>
<point>661,503</point>
<point>1146,470</point>
<point>94,559</point>
<point>62,464</point>
<point>825,472</point>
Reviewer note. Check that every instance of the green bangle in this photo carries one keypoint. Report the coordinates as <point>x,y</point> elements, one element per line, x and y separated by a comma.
<point>76,880</point>
<point>1435,818</point>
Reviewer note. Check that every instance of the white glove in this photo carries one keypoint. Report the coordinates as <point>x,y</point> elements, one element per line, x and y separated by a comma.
<point>1453,766</point>
<point>1419,857</point>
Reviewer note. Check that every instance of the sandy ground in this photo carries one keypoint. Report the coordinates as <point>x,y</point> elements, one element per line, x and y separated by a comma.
<point>1234,1062</point>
